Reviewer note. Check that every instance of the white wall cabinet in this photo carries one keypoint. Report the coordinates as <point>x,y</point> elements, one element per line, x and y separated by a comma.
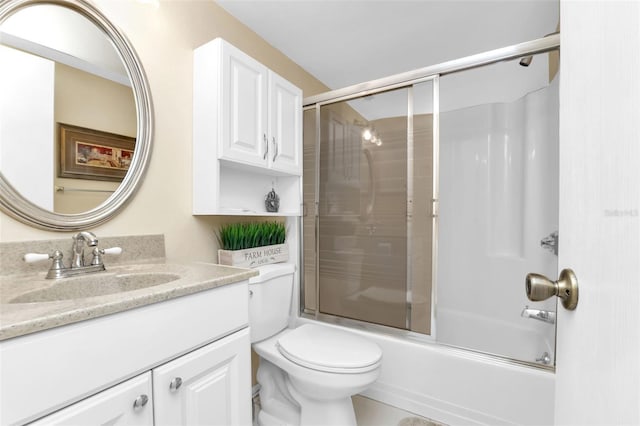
<point>114,406</point>
<point>247,134</point>
<point>285,125</point>
<point>242,104</point>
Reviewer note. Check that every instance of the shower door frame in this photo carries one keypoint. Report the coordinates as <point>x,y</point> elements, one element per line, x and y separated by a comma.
<point>398,81</point>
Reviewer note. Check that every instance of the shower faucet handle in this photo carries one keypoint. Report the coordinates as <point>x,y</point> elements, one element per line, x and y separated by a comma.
<point>550,242</point>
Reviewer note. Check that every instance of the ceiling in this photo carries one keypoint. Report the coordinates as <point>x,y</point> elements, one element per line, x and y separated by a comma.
<point>344,42</point>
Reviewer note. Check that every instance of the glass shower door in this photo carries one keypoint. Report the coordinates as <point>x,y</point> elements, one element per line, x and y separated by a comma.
<point>498,202</point>
<point>362,210</point>
<point>451,181</point>
<point>374,156</point>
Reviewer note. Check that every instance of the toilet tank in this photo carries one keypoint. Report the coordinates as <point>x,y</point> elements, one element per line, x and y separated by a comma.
<point>270,300</point>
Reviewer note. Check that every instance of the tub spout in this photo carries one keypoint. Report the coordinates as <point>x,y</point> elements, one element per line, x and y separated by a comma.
<point>539,314</point>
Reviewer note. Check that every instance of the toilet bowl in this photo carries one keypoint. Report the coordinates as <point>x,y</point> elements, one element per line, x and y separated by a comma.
<point>307,374</point>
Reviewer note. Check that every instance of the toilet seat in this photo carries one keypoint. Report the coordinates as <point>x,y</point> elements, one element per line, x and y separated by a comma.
<point>329,350</point>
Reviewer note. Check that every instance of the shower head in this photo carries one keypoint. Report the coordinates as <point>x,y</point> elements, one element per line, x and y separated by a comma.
<point>526,61</point>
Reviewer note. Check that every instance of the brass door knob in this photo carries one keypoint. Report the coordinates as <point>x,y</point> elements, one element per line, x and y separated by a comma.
<point>539,287</point>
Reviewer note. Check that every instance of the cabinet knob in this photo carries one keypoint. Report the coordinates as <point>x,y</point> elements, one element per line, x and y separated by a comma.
<point>140,402</point>
<point>175,384</point>
<point>266,146</point>
<point>275,148</point>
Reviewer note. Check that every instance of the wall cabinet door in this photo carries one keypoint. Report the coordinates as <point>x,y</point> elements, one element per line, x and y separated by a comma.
<point>285,125</point>
<point>244,108</point>
<point>247,134</point>
<point>128,403</point>
<point>211,385</point>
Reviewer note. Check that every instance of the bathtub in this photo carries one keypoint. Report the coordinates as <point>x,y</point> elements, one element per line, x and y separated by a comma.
<point>456,386</point>
<point>523,339</point>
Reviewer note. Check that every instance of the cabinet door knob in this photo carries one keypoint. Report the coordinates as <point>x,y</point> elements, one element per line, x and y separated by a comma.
<point>266,146</point>
<point>140,402</point>
<point>275,148</point>
<point>175,384</point>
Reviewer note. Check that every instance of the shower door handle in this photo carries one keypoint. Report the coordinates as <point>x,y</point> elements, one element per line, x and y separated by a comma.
<point>539,287</point>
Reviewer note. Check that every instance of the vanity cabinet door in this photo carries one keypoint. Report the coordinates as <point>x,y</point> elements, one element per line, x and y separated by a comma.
<point>243,110</point>
<point>285,125</point>
<point>128,403</point>
<point>211,385</point>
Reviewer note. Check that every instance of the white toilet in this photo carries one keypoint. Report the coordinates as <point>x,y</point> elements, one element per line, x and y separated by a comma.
<point>307,374</point>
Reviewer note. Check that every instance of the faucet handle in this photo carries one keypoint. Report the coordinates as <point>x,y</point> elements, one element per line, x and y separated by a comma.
<point>111,250</point>
<point>56,266</point>
<point>97,254</point>
<point>36,257</point>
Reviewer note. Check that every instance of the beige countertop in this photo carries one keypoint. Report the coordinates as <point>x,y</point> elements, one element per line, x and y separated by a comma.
<point>21,314</point>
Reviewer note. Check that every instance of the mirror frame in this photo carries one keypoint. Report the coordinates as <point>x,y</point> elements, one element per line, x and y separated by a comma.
<point>15,205</point>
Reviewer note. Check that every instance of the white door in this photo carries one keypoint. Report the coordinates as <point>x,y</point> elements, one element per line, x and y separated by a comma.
<point>598,344</point>
<point>128,403</point>
<point>209,386</point>
<point>285,125</point>
<point>27,137</point>
<point>244,108</point>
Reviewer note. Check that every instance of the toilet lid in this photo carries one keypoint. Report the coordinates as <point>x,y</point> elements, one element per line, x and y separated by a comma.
<point>327,349</point>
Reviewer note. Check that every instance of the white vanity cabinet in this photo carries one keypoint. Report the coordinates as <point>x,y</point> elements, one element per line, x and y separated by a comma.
<point>92,372</point>
<point>247,134</point>
<point>207,386</point>
<point>129,403</point>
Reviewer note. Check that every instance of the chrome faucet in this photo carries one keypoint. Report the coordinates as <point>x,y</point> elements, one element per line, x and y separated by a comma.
<point>539,314</point>
<point>78,247</point>
<point>77,266</point>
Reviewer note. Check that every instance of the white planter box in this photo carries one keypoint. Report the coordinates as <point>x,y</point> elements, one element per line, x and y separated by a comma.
<point>254,257</point>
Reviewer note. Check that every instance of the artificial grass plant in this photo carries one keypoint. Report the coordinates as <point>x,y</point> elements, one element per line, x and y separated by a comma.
<point>240,236</point>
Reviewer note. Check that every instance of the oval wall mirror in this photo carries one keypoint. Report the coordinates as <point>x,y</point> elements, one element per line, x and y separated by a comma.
<point>76,116</point>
